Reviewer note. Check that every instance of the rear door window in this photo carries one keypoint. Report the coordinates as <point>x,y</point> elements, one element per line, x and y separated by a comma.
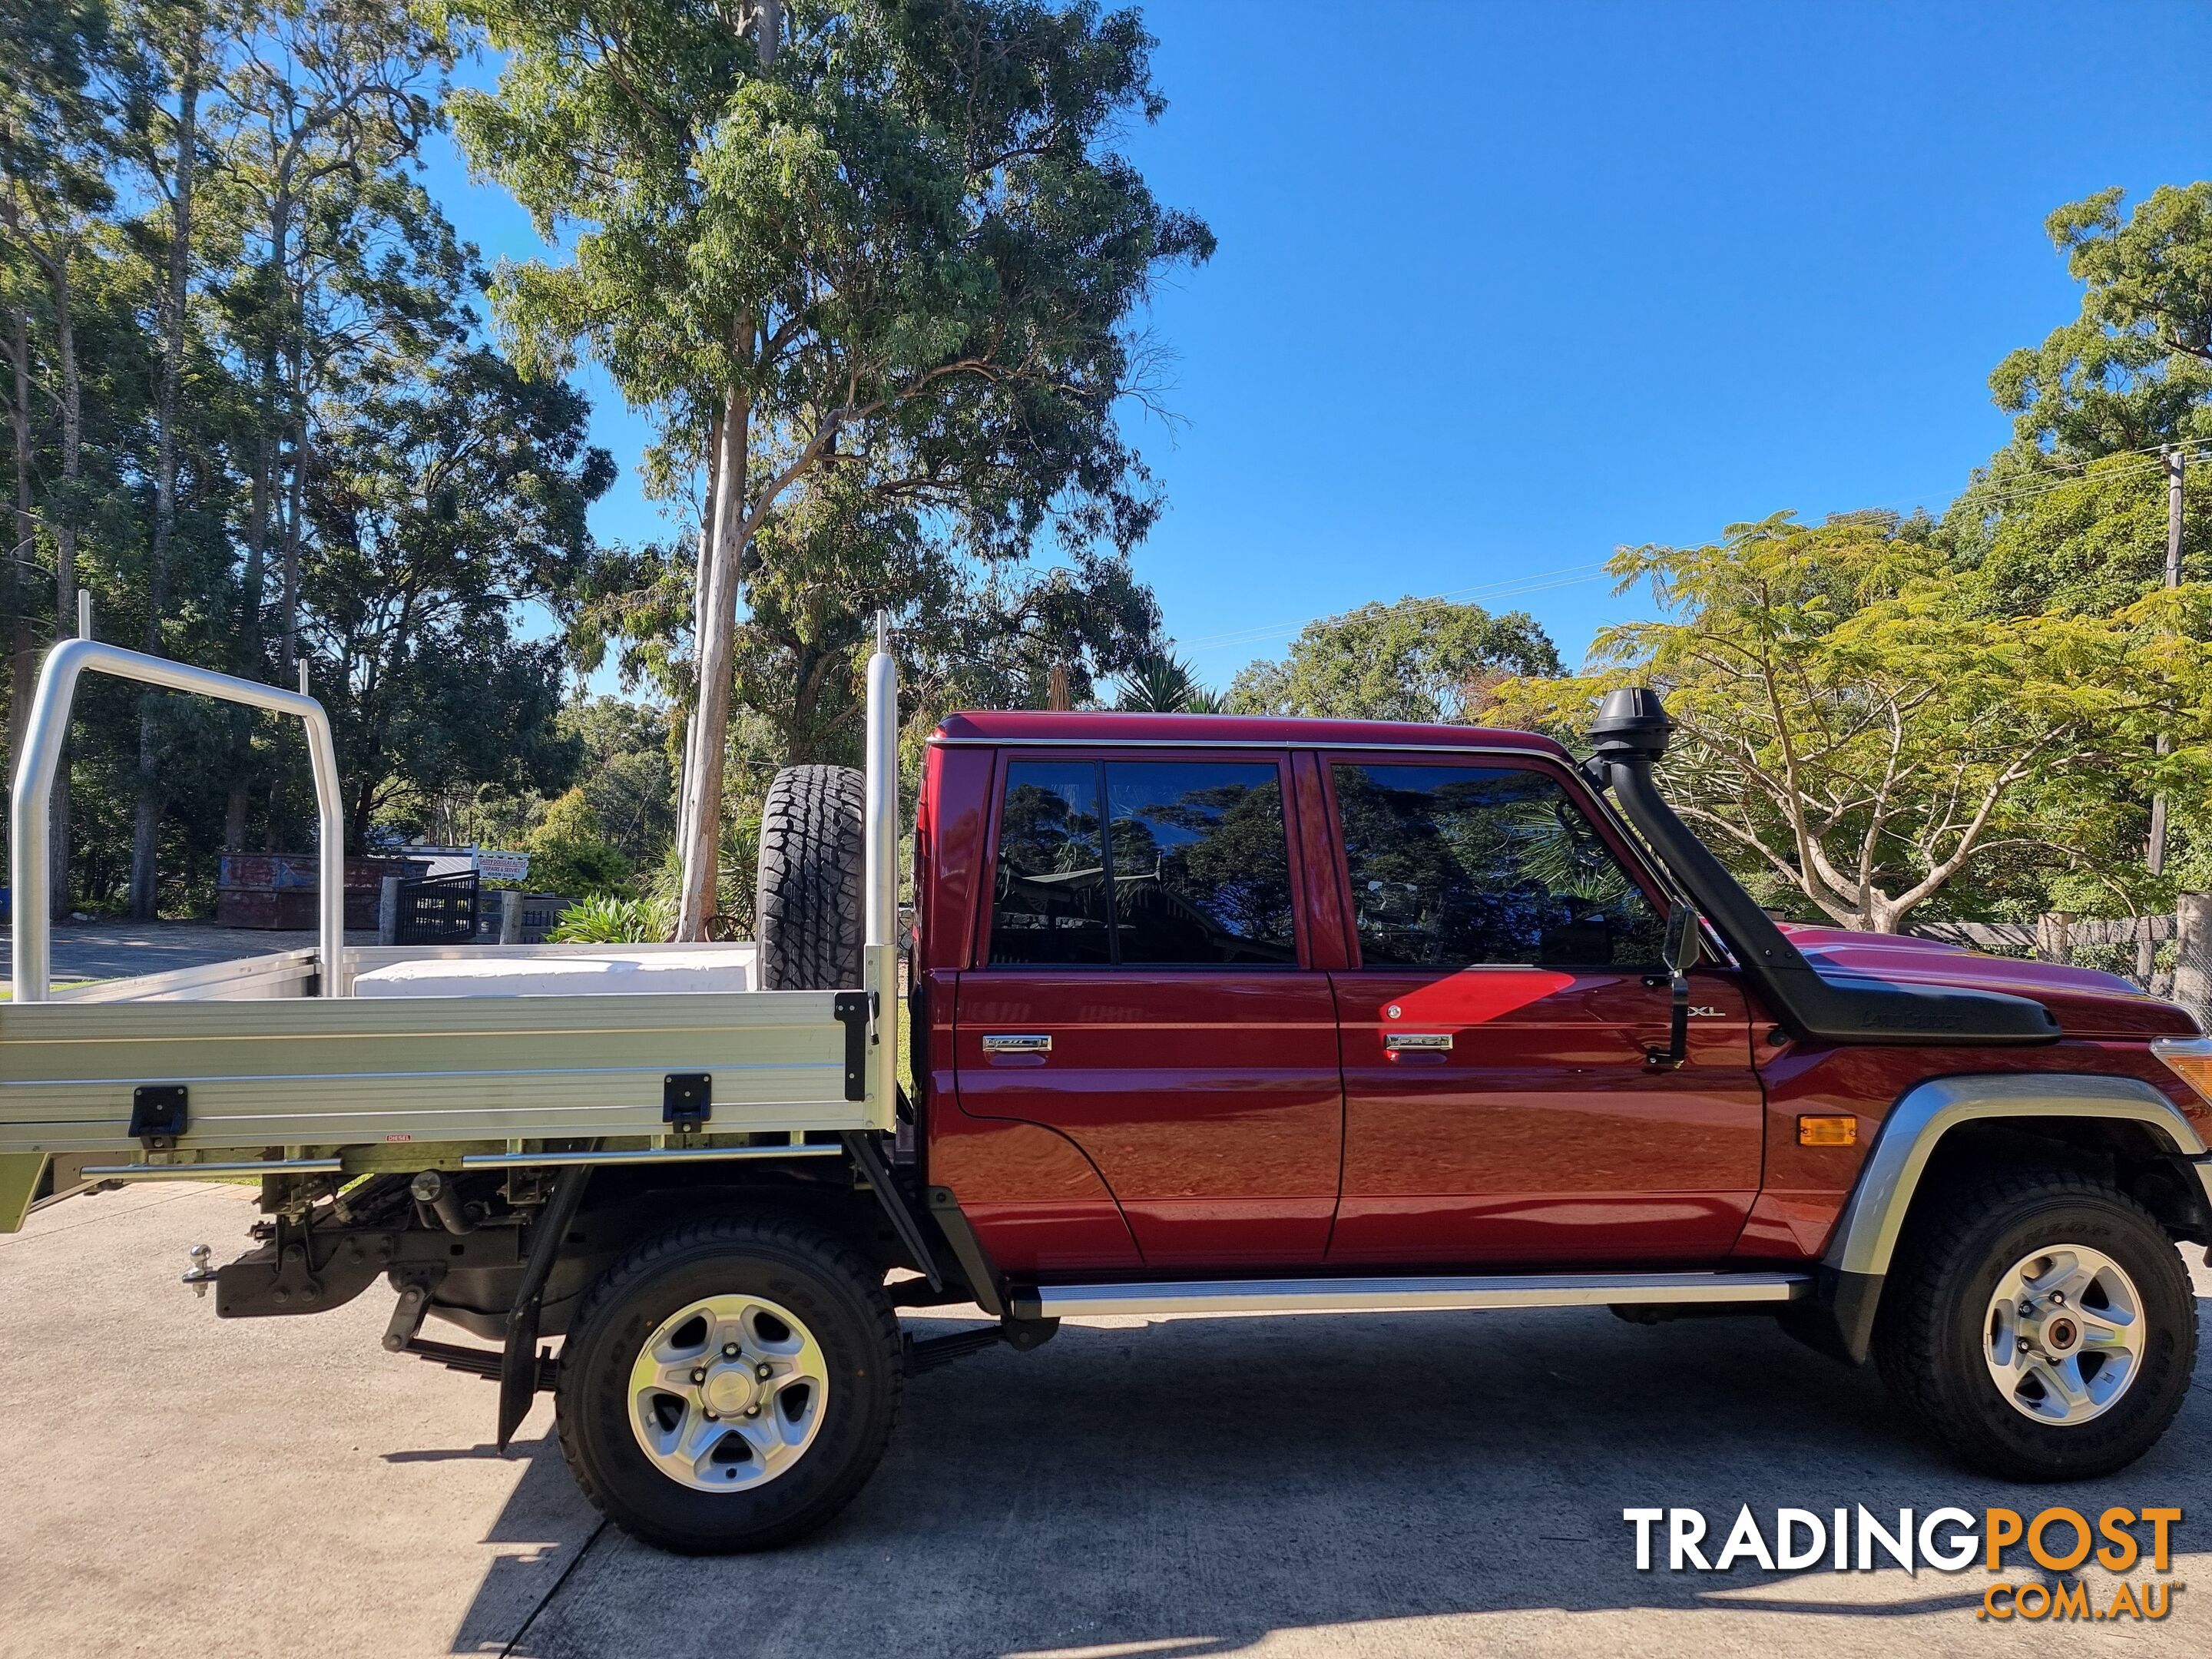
<point>1191,870</point>
<point>1048,901</point>
<point>1455,866</point>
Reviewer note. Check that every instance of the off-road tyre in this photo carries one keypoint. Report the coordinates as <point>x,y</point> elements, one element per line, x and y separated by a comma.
<point>813,851</point>
<point>1929,1335</point>
<point>821,1279</point>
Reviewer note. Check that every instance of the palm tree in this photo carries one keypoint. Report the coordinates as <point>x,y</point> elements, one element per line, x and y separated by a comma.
<point>1163,683</point>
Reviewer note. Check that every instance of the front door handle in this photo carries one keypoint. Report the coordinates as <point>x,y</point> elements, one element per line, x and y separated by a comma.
<point>1016,1042</point>
<point>1416,1043</point>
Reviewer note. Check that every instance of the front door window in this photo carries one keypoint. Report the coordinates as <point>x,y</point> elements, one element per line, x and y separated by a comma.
<point>1499,1105</point>
<point>1454,866</point>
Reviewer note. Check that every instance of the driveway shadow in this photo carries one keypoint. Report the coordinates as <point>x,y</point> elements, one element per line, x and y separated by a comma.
<point>1189,1488</point>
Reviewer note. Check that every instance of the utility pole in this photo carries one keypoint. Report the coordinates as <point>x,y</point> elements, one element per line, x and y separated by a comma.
<point>2176,463</point>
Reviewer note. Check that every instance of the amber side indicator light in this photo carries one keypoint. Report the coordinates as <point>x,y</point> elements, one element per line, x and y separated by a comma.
<point>1827,1131</point>
<point>2189,1059</point>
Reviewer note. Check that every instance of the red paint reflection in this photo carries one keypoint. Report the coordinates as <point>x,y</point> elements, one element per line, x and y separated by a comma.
<point>1474,999</point>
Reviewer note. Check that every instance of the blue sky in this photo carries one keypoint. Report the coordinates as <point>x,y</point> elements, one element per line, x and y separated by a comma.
<point>1500,287</point>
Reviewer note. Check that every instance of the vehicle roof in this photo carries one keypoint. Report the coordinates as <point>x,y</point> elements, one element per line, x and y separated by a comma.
<point>1227,731</point>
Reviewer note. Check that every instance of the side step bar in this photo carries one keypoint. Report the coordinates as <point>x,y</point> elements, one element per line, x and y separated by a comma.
<point>1213,1298</point>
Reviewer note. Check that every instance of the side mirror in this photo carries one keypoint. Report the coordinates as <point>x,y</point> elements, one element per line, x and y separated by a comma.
<point>1681,952</point>
<point>1682,943</point>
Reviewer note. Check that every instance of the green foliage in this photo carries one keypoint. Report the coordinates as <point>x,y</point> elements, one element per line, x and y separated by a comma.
<point>998,638</point>
<point>1418,659</point>
<point>570,854</point>
<point>1163,683</point>
<point>877,275</point>
<point>450,498</point>
<point>2135,368</point>
<point>625,773</point>
<point>1856,717</point>
<point>903,244</point>
<point>358,483</point>
<point>2092,542</point>
<point>601,921</point>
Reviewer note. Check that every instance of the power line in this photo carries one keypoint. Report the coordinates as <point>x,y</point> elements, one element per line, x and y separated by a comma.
<point>2153,460</point>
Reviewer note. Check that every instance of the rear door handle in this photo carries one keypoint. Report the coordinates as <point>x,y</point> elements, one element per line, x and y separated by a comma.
<point>1016,1042</point>
<point>1416,1043</point>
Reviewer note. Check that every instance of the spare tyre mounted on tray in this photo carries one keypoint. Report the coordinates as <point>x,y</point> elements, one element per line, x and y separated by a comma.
<point>808,916</point>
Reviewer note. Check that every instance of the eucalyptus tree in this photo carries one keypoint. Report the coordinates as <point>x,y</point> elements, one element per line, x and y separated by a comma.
<point>58,142</point>
<point>175,60</point>
<point>870,260</point>
<point>1006,635</point>
<point>345,271</point>
<point>445,502</point>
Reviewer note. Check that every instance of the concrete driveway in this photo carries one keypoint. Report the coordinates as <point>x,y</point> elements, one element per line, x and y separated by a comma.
<point>1447,1485</point>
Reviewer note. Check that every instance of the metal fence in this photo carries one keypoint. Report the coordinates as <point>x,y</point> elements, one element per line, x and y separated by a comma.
<point>437,910</point>
<point>2168,955</point>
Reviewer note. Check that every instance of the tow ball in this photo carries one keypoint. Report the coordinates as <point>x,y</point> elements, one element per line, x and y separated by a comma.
<point>200,1275</point>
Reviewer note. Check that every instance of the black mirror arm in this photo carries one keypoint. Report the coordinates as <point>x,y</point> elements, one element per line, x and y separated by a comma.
<point>1678,1027</point>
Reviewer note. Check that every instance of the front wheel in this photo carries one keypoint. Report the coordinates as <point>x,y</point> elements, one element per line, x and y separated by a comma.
<point>2044,1327</point>
<point>729,1385</point>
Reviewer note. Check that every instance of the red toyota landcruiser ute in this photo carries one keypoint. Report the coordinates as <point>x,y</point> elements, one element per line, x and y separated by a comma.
<point>1221,1015</point>
<point>1217,1015</point>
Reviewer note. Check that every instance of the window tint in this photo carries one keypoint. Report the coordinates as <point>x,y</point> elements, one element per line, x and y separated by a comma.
<point>1201,864</point>
<point>1457,865</point>
<point>1049,895</point>
<point>1199,859</point>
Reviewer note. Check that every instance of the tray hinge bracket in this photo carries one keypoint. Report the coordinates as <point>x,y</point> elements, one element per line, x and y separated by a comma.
<point>687,1100</point>
<point>158,1115</point>
<point>856,1012</point>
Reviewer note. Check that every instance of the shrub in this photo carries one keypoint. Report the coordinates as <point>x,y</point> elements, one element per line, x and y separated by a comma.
<point>570,855</point>
<point>605,920</point>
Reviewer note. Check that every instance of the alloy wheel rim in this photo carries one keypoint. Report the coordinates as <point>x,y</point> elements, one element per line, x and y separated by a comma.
<point>728,1393</point>
<point>2063,1334</point>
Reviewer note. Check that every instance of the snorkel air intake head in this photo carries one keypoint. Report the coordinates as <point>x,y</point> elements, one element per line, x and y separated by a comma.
<point>1632,726</point>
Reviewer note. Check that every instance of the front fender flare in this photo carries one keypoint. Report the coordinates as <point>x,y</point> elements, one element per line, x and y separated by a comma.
<point>1848,1293</point>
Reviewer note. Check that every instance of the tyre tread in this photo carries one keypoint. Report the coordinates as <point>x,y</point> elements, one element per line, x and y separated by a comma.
<point>807,913</point>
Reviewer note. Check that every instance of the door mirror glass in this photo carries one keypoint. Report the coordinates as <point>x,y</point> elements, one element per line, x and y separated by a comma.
<point>1681,938</point>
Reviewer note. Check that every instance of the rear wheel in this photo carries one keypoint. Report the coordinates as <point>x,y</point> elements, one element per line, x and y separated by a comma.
<point>2044,1327</point>
<point>729,1385</point>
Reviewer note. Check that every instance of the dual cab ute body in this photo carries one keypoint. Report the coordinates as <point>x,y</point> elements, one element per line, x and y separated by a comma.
<point>1205,1016</point>
<point>1412,1020</point>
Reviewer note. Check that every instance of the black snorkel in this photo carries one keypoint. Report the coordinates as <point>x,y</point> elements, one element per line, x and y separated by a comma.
<point>1631,735</point>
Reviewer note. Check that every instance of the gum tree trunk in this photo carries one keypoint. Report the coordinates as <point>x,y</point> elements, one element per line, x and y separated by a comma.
<point>146,808</point>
